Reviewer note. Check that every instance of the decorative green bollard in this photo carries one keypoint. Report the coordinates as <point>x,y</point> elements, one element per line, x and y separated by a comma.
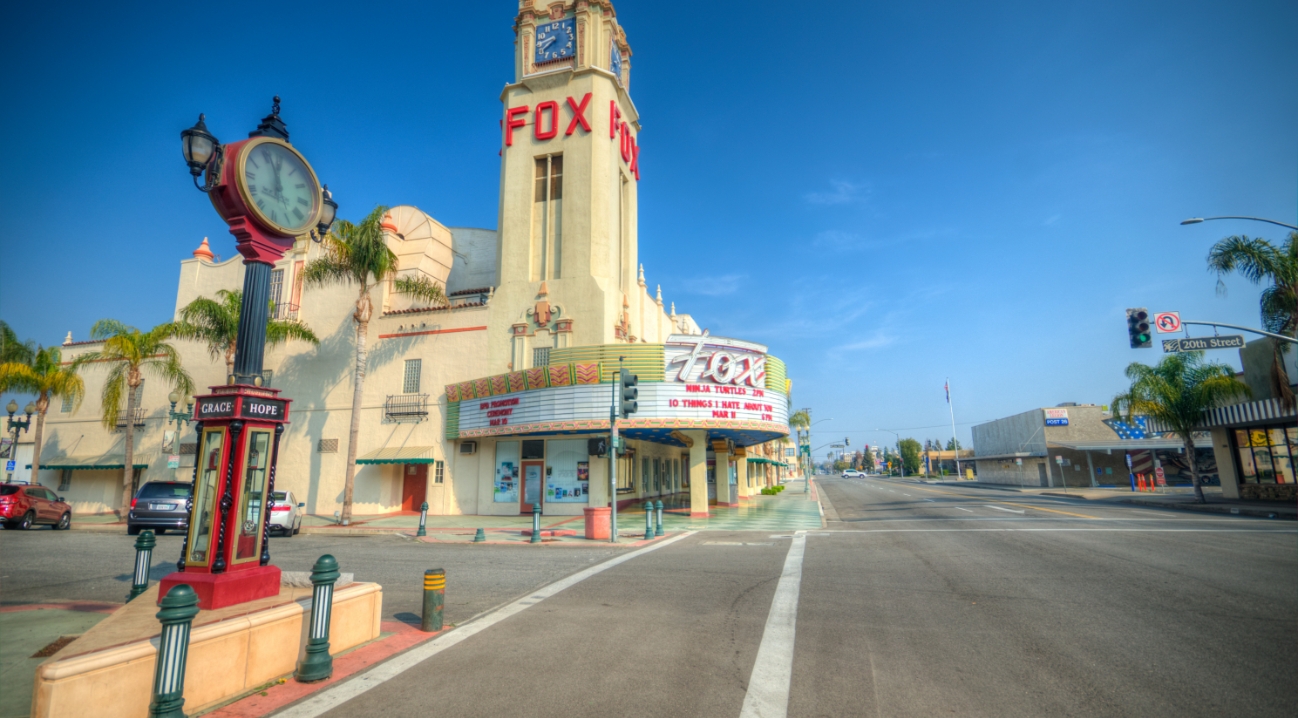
<point>143,560</point>
<point>317,664</point>
<point>648,520</point>
<point>480,536</point>
<point>423,519</point>
<point>658,529</point>
<point>178,610</point>
<point>434,598</point>
<point>536,523</point>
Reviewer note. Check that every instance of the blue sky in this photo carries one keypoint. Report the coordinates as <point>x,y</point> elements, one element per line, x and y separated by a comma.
<point>888,194</point>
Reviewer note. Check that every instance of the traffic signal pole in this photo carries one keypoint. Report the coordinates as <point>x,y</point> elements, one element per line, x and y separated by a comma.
<point>612,456</point>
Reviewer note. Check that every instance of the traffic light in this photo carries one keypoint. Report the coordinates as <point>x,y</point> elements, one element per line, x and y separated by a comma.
<point>847,441</point>
<point>629,393</point>
<point>1138,328</point>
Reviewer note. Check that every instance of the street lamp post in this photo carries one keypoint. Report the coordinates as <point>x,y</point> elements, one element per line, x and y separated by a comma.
<point>1197,220</point>
<point>901,461</point>
<point>16,427</point>
<point>179,417</point>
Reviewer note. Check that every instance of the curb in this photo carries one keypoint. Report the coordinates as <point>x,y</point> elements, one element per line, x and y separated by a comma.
<point>1213,509</point>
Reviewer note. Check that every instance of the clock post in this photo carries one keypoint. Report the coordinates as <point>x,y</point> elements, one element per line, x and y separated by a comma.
<point>269,196</point>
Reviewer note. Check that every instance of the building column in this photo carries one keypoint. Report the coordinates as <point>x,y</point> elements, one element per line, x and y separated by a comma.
<point>721,451</point>
<point>1090,466</point>
<point>698,468</point>
<point>1225,463</point>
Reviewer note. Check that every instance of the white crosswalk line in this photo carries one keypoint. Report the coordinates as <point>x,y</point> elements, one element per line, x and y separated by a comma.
<point>768,686</point>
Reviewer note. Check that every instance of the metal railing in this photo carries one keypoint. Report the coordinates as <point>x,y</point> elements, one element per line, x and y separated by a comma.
<point>405,407</point>
<point>138,418</point>
<point>284,310</point>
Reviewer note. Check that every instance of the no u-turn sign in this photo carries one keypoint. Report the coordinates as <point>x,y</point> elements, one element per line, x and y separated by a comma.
<point>1167,322</point>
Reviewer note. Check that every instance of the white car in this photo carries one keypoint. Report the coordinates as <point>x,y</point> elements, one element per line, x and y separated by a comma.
<point>285,513</point>
<point>853,474</point>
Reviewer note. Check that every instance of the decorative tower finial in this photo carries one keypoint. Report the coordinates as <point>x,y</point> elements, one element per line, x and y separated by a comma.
<point>673,310</point>
<point>271,125</point>
<point>642,275</point>
<point>659,297</point>
<point>204,251</point>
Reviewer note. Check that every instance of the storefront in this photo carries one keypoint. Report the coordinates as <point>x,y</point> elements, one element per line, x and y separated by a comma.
<point>1256,445</point>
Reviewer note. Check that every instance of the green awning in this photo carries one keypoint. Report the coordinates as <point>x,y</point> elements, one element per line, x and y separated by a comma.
<point>140,460</point>
<point>400,455</point>
<point>763,460</point>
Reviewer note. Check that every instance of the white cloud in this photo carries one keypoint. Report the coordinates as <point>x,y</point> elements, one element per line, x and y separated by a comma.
<point>841,192</point>
<point>717,286</point>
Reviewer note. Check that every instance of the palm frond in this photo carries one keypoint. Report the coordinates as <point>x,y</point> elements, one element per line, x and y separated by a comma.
<point>19,377</point>
<point>110,399</point>
<point>106,328</point>
<point>420,288</point>
<point>279,331</point>
<point>13,350</point>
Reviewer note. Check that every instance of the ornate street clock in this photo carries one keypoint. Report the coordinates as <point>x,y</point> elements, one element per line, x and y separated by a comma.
<point>278,186</point>
<point>556,40</point>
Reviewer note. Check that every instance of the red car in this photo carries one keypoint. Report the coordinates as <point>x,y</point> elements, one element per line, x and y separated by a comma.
<point>22,506</point>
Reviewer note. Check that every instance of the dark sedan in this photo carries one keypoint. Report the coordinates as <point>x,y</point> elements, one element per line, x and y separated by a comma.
<point>159,505</point>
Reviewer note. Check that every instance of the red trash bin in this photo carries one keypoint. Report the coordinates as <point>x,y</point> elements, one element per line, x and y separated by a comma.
<point>597,522</point>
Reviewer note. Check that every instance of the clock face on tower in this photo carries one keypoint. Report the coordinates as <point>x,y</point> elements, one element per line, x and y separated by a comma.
<point>278,186</point>
<point>555,40</point>
<point>615,63</point>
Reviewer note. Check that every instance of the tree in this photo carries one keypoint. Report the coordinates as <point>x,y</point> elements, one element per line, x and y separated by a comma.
<point>12,350</point>
<point>867,461</point>
<point>953,445</point>
<point>910,450</point>
<point>358,255</point>
<point>1260,261</point>
<point>216,323</point>
<point>46,377</point>
<point>127,353</point>
<point>1175,393</point>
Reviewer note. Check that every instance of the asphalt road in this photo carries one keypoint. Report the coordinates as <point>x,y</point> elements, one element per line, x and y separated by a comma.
<point>914,601</point>
<point>45,566</point>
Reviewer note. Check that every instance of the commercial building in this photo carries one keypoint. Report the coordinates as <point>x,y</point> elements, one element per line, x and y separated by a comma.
<point>1081,445</point>
<point>486,404</point>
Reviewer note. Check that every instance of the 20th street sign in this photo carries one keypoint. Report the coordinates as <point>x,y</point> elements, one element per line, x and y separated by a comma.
<point>1196,344</point>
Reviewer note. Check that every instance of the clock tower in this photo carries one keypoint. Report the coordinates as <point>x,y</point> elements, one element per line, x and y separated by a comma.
<point>568,175</point>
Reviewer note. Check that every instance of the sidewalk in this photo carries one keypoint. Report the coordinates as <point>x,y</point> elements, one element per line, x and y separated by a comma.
<point>1177,497</point>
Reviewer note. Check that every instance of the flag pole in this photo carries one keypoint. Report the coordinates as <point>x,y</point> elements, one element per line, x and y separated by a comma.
<point>955,442</point>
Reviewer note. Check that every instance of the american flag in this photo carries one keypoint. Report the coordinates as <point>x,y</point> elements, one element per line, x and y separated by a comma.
<point>947,387</point>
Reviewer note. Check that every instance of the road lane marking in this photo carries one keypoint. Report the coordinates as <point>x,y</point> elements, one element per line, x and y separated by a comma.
<point>331,698</point>
<point>1097,529</point>
<point>768,685</point>
<point>962,509</point>
<point>737,543</point>
<point>1053,511</point>
<point>1002,508</point>
<point>934,500</point>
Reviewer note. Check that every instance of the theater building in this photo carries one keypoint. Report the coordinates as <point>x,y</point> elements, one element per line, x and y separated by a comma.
<point>487,403</point>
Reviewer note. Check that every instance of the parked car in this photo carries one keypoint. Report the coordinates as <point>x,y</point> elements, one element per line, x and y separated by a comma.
<point>853,474</point>
<point>159,505</point>
<point>23,506</point>
<point>285,513</point>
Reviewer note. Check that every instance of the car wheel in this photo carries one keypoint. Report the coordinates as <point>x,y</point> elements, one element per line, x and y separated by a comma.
<point>132,530</point>
<point>298,528</point>
<point>65,522</point>
<point>28,521</point>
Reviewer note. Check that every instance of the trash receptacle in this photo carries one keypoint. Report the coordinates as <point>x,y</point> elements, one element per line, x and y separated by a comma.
<point>597,522</point>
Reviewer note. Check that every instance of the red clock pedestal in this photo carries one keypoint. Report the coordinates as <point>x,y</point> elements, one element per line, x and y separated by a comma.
<point>226,554</point>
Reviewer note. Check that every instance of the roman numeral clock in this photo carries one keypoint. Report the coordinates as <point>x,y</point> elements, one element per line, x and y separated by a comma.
<point>270,197</point>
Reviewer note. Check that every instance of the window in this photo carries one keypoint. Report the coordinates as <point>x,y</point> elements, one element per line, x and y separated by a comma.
<point>266,376</point>
<point>644,476</point>
<point>1267,454</point>
<point>439,473</point>
<point>276,291</point>
<point>327,446</point>
<point>413,369</point>
<point>67,406</point>
<point>541,356</point>
<point>547,218</point>
<point>65,480</point>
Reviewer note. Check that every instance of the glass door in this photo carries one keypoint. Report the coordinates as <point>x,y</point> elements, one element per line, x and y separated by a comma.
<point>211,470</point>
<point>256,460</point>
<point>533,485</point>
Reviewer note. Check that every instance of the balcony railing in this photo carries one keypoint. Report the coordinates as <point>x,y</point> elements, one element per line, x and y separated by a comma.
<point>284,310</point>
<point>405,407</point>
<point>138,418</point>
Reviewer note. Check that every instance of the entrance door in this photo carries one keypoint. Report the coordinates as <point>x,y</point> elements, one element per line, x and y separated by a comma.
<point>533,485</point>
<point>414,484</point>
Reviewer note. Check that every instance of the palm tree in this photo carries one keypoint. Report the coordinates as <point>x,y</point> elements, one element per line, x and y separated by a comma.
<point>800,421</point>
<point>1175,393</point>
<point>127,353</point>
<point>46,377</point>
<point>1260,261</point>
<point>358,255</point>
<point>216,322</point>
<point>12,350</point>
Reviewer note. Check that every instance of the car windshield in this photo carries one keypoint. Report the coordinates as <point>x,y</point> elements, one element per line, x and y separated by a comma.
<point>164,491</point>
<point>8,490</point>
<point>278,496</point>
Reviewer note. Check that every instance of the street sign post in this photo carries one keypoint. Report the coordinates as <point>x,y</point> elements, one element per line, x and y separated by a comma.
<point>10,465</point>
<point>1197,344</point>
<point>1168,322</point>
